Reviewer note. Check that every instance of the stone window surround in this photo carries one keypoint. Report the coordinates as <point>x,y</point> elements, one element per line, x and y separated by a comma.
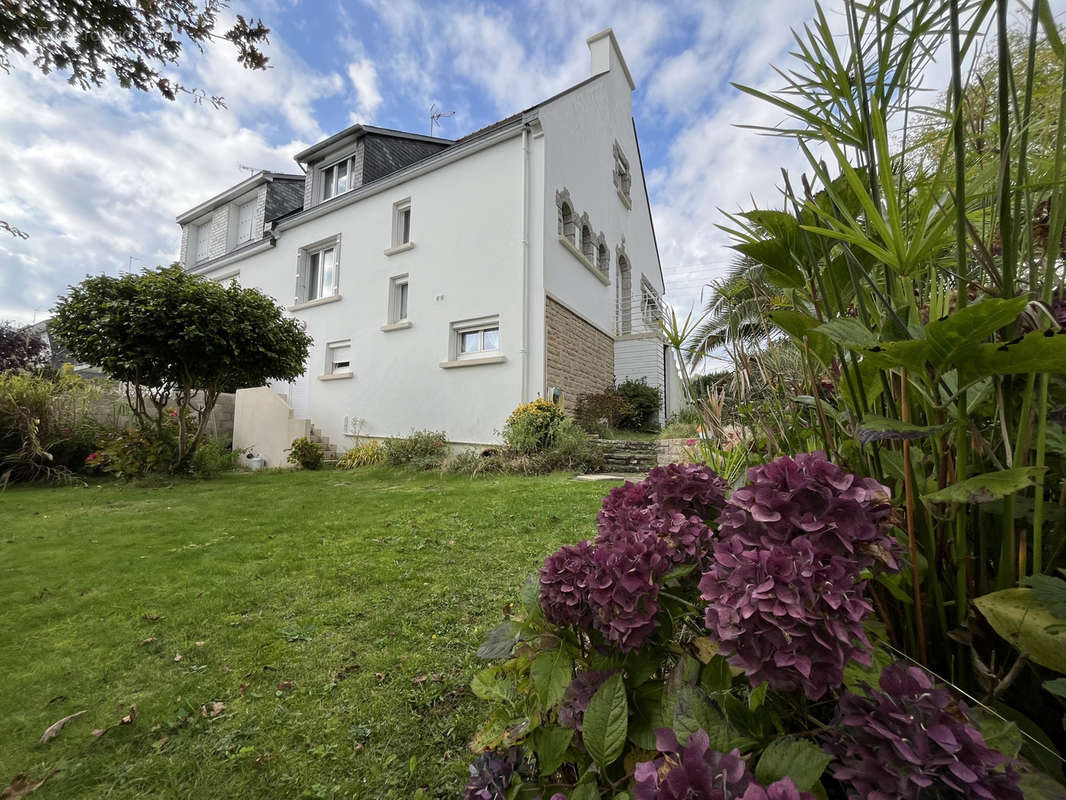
<point>578,248</point>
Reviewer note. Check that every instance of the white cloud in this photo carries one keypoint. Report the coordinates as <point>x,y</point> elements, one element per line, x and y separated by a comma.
<point>364,78</point>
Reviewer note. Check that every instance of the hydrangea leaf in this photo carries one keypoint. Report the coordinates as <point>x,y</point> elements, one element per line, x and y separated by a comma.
<point>987,487</point>
<point>606,721</point>
<point>499,642</point>
<point>716,676</point>
<point>1018,617</point>
<point>999,733</point>
<point>647,715</point>
<point>1057,687</point>
<point>757,696</point>
<point>550,745</point>
<point>641,666</point>
<point>551,671</point>
<point>802,761</point>
<point>492,684</point>
<point>585,791</point>
<point>695,712</point>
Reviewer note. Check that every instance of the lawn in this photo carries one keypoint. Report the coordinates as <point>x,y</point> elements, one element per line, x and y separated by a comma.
<point>281,635</point>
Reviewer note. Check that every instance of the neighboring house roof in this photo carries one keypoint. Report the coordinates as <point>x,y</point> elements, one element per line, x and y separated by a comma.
<point>234,192</point>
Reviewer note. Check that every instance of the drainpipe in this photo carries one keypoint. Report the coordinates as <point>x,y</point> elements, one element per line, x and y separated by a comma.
<point>525,264</point>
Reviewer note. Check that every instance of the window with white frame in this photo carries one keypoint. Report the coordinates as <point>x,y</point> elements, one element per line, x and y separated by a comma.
<point>401,223</point>
<point>203,240</point>
<point>318,271</point>
<point>398,292</point>
<point>339,357</point>
<point>338,177</point>
<point>245,215</point>
<point>477,338</point>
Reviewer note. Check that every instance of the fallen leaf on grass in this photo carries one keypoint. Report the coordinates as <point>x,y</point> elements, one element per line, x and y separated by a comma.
<point>200,644</point>
<point>264,758</point>
<point>243,688</point>
<point>126,720</point>
<point>22,786</point>
<point>151,617</point>
<point>285,686</point>
<point>177,656</point>
<point>381,676</point>
<point>53,730</point>
<point>212,711</point>
<point>418,680</point>
<point>100,731</point>
<point>143,642</point>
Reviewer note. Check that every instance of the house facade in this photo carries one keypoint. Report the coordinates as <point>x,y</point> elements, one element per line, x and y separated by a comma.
<point>445,282</point>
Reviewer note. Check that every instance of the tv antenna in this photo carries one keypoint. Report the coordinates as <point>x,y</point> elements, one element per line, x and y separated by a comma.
<point>435,115</point>
<point>129,265</point>
<point>253,170</point>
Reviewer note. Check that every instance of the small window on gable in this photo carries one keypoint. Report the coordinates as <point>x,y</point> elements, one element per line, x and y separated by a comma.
<point>317,273</point>
<point>339,357</point>
<point>588,246</point>
<point>567,225</point>
<point>203,240</point>
<point>398,293</point>
<point>623,179</point>
<point>401,223</point>
<point>245,215</point>
<point>603,257</point>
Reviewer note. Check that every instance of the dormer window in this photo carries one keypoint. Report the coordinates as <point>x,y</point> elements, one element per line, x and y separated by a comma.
<point>338,177</point>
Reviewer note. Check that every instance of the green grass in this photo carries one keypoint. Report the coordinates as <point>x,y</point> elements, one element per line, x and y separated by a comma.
<point>367,591</point>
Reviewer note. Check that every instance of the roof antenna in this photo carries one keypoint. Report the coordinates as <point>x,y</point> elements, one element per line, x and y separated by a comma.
<point>434,116</point>
<point>246,168</point>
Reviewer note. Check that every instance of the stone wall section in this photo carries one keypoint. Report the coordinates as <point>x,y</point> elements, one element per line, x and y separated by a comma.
<point>219,232</point>
<point>580,357</point>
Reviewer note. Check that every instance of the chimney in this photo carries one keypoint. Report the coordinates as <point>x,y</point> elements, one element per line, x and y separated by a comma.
<point>605,55</point>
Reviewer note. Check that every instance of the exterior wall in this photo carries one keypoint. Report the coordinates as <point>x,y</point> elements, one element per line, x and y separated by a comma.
<point>465,263</point>
<point>640,357</point>
<point>580,358</point>
<point>263,423</point>
<point>580,132</point>
<point>219,232</point>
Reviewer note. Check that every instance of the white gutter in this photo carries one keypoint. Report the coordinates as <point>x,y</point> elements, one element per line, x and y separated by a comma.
<point>264,244</point>
<point>525,264</point>
<point>436,161</point>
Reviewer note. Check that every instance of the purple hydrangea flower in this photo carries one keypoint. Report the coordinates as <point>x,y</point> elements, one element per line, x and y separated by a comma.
<point>623,592</point>
<point>491,775</point>
<point>695,772</point>
<point>673,502</point>
<point>689,489</point>
<point>577,696</point>
<point>912,739</point>
<point>564,586</point>
<point>785,597</point>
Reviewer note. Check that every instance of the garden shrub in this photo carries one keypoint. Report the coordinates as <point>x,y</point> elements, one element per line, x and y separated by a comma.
<point>571,449</point>
<point>682,425</point>
<point>421,450</point>
<point>212,458</point>
<point>697,647</point>
<point>46,424</point>
<point>305,453</point>
<point>531,427</point>
<point>597,412</point>
<point>363,455</point>
<point>646,402</point>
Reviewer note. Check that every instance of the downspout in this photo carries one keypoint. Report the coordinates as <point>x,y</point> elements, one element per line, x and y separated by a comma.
<point>525,264</point>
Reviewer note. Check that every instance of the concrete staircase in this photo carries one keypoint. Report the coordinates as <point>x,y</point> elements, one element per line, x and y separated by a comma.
<point>629,456</point>
<point>329,451</point>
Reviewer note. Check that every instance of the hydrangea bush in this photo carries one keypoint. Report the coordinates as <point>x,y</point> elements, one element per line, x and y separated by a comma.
<point>705,645</point>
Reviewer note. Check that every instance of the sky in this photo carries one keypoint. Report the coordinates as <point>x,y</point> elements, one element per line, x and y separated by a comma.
<point>96,178</point>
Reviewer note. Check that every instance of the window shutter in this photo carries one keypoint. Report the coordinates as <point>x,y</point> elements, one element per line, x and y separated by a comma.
<point>336,267</point>
<point>301,278</point>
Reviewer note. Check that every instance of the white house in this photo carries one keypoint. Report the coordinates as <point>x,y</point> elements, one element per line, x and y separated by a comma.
<point>445,282</point>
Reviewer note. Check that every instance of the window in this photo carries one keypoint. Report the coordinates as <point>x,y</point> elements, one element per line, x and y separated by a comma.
<point>622,177</point>
<point>566,216</point>
<point>317,271</point>
<point>649,304</point>
<point>401,223</point>
<point>398,292</point>
<point>483,340</point>
<point>339,357</point>
<point>624,317</point>
<point>245,214</point>
<point>203,240</point>
<point>338,178</point>
<point>588,246</point>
